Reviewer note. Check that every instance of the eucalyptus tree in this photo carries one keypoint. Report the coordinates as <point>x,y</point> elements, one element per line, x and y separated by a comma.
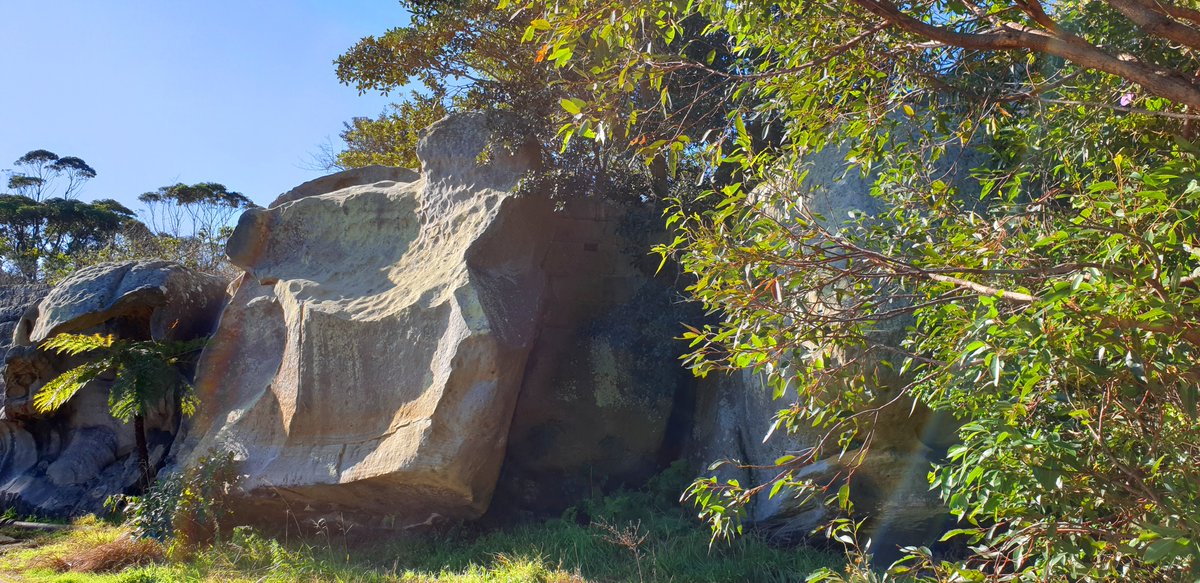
<point>40,173</point>
<point>197,218</point>
<point>1049,288</point>
<point>36,232</point>
<point>1050,300</point>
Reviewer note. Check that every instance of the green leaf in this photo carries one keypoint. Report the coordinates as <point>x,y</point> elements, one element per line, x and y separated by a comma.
<point>572,105</point>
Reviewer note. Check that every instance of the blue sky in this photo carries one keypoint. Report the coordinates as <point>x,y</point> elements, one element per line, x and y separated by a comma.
<point>153,92</point>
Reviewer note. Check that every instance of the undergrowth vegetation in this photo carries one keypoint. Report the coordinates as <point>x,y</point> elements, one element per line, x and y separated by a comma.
<point>636,537</point>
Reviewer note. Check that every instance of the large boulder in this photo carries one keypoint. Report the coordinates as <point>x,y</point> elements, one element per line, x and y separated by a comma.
<point>393,344</point>
<point>15,300</point>
<point>370,358</point>
<point>69,462</point>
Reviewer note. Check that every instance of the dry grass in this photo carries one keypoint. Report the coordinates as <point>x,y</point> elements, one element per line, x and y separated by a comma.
<point>89,547</point>
<point>116,555</point>
<point>48,562</point>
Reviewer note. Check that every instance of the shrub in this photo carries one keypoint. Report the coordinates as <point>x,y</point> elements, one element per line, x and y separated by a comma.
<point>191,506</point>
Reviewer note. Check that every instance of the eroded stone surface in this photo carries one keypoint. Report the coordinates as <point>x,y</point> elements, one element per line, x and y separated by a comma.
<point>69,462</point>
<point>370,359</point>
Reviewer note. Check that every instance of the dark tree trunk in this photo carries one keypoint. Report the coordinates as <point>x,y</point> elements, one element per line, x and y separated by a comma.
<point>143,453</point>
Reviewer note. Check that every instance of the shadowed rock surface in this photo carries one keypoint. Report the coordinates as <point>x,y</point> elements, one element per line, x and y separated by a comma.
<point>735,413</point>
<point>69,462</point>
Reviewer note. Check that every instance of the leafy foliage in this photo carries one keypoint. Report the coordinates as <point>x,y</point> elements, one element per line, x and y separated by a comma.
<point>146,373</point>
<point>38,234</point>
<point>188,508</point>
<point>474,55</point>
<point>196,210</point>
<point>43,238</point>
<point>188,224</point>
<point>390,139</point>
<point>1031,233</point>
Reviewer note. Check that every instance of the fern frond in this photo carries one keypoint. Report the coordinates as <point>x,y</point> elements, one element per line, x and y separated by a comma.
<point>54,394</point>
<point>124,408</point>
<point>76,344</point>
<point>123,394</point>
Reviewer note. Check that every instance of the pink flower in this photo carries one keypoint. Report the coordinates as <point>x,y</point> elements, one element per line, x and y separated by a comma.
<point>1126,99</point>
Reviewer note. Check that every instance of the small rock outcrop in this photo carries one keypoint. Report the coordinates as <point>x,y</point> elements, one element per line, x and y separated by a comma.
<point>733,423</point>
<point>69,462</point>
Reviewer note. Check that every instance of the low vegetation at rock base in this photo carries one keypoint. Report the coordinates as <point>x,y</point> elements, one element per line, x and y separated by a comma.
<point>630,537</point>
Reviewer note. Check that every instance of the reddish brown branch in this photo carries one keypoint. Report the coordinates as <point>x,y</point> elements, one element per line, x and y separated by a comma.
<point>1179,12</point>
<point>1013,36</point>
<point>1151,18</point>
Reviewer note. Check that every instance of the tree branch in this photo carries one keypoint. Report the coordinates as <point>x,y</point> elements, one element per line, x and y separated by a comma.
<point>1153,20</point>
<point>1037,12</point>
<point>1179,12</point>
<point>1137,110</point>
<point>1159,81</point>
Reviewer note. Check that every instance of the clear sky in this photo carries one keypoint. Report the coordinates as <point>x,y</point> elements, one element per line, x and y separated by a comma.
<point>153,92</point>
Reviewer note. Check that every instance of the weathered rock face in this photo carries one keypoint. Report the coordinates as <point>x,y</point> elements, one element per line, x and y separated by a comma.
<point>370,358</point>
<point>394,343</point>
<point>70,462</point>
<point>14,301</point>
<point>346,179</point>
<point>735,414</point>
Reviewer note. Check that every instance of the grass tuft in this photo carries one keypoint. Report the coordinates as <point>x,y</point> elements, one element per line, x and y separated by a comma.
<point>116,555</point>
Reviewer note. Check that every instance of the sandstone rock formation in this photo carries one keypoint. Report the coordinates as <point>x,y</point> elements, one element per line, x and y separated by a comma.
<point>406,346</point>
<point>69,462</point>
<point>733,421</point>
<point>370,358</point>
<point>374,354</point>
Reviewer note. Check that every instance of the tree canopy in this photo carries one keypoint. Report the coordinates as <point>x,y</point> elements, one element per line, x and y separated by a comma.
<point>1047,286</point>
<point>40,173</point>
<point>55,228</point>
<point>45,232</point>
<point>191,223</point>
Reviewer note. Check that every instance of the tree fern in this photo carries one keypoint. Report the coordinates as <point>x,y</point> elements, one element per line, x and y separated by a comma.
<point>146,373</point>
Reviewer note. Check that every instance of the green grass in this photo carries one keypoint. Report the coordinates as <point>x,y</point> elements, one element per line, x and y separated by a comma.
<point>631,537</point>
